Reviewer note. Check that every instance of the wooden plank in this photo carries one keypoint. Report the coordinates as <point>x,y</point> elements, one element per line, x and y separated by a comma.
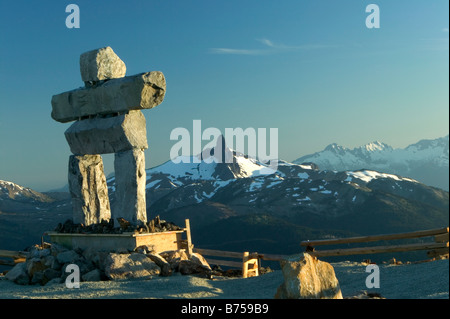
<point>218,253</point>
<point>163,242</point>
<point>377,249</point>
<point>443,238</point>
<point>252,266</point>
<point>20,260</point>
<point>12,254</point>
<point>362,239</point>
<point>7,263</point>
<point>228,263</point>
<point>245,264</point>
<point>272,257</point>
<point>189,239</point>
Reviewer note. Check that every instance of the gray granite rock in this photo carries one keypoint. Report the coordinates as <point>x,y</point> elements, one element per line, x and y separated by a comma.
<point>88,188</point>
<point>18,274</point>
<point>136,92</point>
<point>130,176</point>
<point>130,266</point>
<point>108,135</point>
<point>101,64</point>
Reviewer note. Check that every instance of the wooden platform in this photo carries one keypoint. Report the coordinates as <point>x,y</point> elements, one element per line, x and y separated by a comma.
<point>159,241</point>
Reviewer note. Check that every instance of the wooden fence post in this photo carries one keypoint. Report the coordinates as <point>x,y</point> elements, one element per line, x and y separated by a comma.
<point>247,261</point>
<point>245,264</point>
<point>189,240</point>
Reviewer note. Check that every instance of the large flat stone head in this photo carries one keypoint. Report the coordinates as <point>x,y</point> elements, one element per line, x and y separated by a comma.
<point>101,64</point>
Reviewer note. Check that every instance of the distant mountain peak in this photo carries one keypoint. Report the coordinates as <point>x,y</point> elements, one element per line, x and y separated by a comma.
<point>376,146</point>
<point>10,190</point>
<point>335,148</point>
<point>220,153</point>
<point>426,161</point>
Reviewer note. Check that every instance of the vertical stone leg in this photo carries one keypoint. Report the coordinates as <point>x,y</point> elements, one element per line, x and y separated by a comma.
<point>87,185</point>
<point>130,204</point>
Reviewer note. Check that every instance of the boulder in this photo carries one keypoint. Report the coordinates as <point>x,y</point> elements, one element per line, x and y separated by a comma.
<point>108,135</point>
<point>166,270</point>
<point>36,251</point>
<point>97,258</point>
<point>145,249</point>
<point>196,264</point>
<point>137,92</point>
<point>18,274</point>
<point>55,249</point>
<point>34,265</point>
<point>54,281</point>
<point>199,259</point>
<point>85,266</point>
<point>50,274</point>
<point>88,188</point>
<point>93,275</point>
<point>49,261</point>
<point>38,278</point>
<point>174,258</point>
<point>67,257</point>
<point>101,64</point>
<point>366,295</point>
<point>306,277</point>
<point>130,266</point>
<point>130,178</point>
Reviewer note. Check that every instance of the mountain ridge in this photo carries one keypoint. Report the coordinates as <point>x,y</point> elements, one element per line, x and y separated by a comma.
<point>245,205</point>
<point>427,160</point>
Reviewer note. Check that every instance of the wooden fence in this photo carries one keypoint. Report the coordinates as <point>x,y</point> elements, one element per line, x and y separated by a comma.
<point>250,263</point>
<point>436,248</point>
<point>13,257</point>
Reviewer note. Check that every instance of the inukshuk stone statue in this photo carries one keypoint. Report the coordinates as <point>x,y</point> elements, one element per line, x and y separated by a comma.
<point>108,119</point>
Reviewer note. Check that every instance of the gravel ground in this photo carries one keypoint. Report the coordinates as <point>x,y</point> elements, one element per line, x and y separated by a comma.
<point>415,281</point>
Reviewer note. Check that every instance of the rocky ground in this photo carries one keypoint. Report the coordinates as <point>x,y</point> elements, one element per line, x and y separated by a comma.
<point>429,280</point>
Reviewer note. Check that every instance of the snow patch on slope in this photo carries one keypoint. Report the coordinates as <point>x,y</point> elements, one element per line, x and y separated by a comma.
<point>367,176</point>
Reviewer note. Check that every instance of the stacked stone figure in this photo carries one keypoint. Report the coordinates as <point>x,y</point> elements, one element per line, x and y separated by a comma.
<point>108,120</point>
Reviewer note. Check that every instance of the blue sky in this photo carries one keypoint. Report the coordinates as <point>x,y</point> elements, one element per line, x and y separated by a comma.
<point>312,69</point>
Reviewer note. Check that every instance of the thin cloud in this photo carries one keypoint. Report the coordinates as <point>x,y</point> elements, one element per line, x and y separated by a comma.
<point>236,51</point>
<point>266,42</point>
<point>270,48</point>
<point>445,30</point>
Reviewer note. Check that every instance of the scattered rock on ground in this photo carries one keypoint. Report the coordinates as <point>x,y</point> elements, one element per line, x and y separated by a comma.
<point>366,295</point>
<point>130,266</point>
<point>48,265</point>
<point>18,274</point>
<point>306,277</point>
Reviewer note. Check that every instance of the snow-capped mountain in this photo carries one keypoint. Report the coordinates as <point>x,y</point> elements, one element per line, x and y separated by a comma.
<point>245,205</point>
<point>214,192</point>
<point>11,191</point>
<point>427,160</point>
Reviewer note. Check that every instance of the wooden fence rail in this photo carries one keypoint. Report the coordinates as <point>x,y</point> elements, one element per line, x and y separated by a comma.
<point>250,263</point>
<point>16,256</point>
<point>438,247</point>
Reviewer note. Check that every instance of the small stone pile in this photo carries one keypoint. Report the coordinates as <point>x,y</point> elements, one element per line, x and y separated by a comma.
<point>48,265</point>
<point>155,225</point>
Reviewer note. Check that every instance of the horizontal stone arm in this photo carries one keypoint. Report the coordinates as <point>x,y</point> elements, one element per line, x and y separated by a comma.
<point>136,92</point>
